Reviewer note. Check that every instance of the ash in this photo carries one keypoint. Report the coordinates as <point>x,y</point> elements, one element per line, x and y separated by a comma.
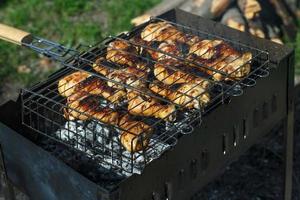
<point>103,145</point>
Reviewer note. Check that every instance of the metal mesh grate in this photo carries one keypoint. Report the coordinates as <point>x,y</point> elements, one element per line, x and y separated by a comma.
<point>135,94</point>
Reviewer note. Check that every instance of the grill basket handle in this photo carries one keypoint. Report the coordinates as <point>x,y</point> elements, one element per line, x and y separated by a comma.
<point>14,35</point>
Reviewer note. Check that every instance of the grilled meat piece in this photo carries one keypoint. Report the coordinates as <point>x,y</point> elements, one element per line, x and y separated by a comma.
<point>134,76</point>
<point>82,106</point>
<point>173,72</point>
<point>121,52</point>
<point>162,32</point>
<point>163,48</point>
<point>235,67</point>
<point>205,49</point>
<point>218,55</point>
<point>135,135</point>
<point>144,105</point>
<point>66,85</point>
<point>100,68</point>
<point>192,39</point>
<point>131,75</point>
<point>189,95</point>
<point>96,86</point>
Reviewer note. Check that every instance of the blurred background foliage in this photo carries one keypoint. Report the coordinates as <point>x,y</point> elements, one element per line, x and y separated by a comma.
<point>68,22</point>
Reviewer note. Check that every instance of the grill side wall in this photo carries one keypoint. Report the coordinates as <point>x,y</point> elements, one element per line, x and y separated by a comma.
<point>198,158</point>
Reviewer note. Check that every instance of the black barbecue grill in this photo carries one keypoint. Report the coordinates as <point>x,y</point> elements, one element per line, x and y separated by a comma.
<point>181,155</point>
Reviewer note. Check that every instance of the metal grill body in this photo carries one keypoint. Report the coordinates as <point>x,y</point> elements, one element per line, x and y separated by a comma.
<point>44,108</point>
<point>240,112</point>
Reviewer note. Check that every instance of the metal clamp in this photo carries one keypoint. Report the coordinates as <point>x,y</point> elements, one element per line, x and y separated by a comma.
<point>51,49</point>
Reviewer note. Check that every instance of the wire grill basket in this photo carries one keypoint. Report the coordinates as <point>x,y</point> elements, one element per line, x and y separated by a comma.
<point>137,92</point>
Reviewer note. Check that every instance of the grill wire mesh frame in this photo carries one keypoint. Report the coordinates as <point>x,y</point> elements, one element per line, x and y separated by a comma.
<point>43,106</point>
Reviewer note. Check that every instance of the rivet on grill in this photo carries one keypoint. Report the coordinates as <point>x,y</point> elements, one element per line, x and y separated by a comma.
<point>224,144</point>
<point>235,135</point>
<point>245,129</point>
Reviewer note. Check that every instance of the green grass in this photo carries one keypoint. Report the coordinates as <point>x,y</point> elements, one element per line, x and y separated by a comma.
<point>68,22</point>
<point>121,12</point>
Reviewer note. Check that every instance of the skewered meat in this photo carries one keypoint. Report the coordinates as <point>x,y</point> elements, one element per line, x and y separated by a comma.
<point>96,86</point>
<point>162,32</point>
<point>189,95</point>
<point>81,106</point>
<point>172,72</point>
<point>136,135</point>
<point>221,56</point>
<point>169,48</point>
<point>121,52</point>
<point>67,84</point>
<point>144,105</point>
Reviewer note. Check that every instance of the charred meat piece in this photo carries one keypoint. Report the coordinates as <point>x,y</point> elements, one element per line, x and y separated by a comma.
<point>82,106</point>
<point>144,105</point>
<point>205,49</point>
<point>162,32</point>
<point>121,52</point>
<point>188,95</point>
<point>218,55</point>
<point>135,135</point>
<point>192,39</point>
<point>164,49</point>
<point>66,85</point>
<point>134,76</point>
<point>131,75</point>
<point>96,86</point>
<point>99,67</point>
<point>235,66</point>
<point>173,72</point>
